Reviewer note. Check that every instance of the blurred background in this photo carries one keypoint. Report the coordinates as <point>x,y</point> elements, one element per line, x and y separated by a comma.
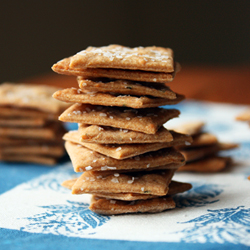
<point>36,34</point>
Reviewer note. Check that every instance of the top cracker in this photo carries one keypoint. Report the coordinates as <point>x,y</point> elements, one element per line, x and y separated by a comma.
<point>155,59</point>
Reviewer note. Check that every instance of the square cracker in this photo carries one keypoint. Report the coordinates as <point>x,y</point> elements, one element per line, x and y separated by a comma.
<point>110,135</point>
<point>84,159</point>
<point>156,59</point>
<point>34,149</point>
<point>174,188</point>
<point>110,207</point>
<point>29,158</point>
<point>191,128</point>
<point>122,151</point>
<point>23,122</point>
<point>22,113</point>
<point>63,67</point>
<point>51,131</point>
<point>143,120</point>
<point>126,87</point>
<point>207,165</point>
<point>195,153</point>
<point>106,99</point>
<point>154,183</point>
<point>30,96</point>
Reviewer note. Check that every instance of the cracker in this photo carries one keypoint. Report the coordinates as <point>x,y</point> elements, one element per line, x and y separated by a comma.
<point>106,99</point>
<point>10,141</point>
<point>110,207</point>
<point>174,188</point>
<point>196,153</point>
<point>143,120</point>
<point>126,87</point>
<point>30,96</point>
<point>13,112</point>
<point>203,139</point>
<point>122,151</point>
<point>154,183</point>
<point>244,116</point>
<point>84,159</point>
<point>190,128</point>
<point>109,135</point>
<point>28,158</point>
<point>207,165</point>
<point>51,131</point>
<point>36,149</point>
<point>23,122</point>
<point>63,67</point>
<point>156,59</point>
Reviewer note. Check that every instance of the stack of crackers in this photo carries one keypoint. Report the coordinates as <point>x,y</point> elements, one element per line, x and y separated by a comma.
<point>29,126</point>
<point>203,154</point>
<point>127,157</point>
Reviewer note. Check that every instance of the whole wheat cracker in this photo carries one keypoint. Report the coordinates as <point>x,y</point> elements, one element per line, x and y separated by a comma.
<point>154,183</point>
<point>126,87</point>
<point>174,188</point>
<point>23,122</point>
<point>73,95</point>
<point>110,135</point>
<point>111,207</point>
<point>63,67</point>
<point>123,151</point>
<point>84,159</point>
<point>157,59</point>
<point>143,120</point>
<point>207,165</point>
<point>30,96</point>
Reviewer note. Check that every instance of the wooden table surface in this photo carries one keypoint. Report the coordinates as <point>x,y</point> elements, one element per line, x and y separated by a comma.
<point>209,83</point>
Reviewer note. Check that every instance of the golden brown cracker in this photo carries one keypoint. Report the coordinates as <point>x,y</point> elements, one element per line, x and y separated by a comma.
<point>156,59</point>
<point>154,183</point>
<point>244,116</point>
<point>34,149</point>
<point>143,120</point>
<point>63,67</point>
<point>122,151</point>
<point>23,122</point>
<point>29,158</point>
<point>110,207</point>
<point>110,135</point>
<point>207,165</point>
<point>191,128</point>
<point>106,99</point>
<point>30,96</point>
<point>22,113</point>
<point>126,87</point>
<point>51,131</point>
<point>84,159</point>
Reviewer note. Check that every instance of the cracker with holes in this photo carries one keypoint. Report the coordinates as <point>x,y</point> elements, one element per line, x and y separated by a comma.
<point>126,87</point>
<point>84,159</point>
<point>154,183</point>
<point>112,207</point>
<point>143,120</point>
<point>122,151</point>
<point>108,99</point>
